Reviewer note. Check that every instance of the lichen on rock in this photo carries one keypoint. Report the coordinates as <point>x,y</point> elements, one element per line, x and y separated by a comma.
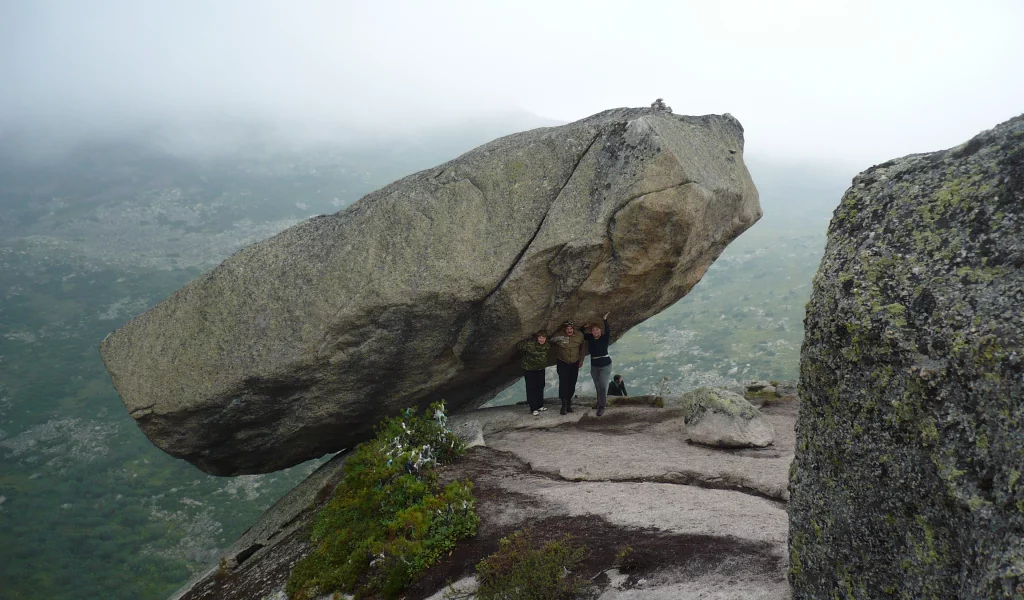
<point>717,417</point>
<point>911,430</point>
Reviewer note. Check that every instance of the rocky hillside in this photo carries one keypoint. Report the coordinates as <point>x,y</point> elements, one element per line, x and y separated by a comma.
<point>73,458</point>
<point>699,521</point>
<point>296,346</point>
<point>907,479</point>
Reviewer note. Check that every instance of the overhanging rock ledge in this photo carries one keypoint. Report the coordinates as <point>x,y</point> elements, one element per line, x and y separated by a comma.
<point>297,345</point>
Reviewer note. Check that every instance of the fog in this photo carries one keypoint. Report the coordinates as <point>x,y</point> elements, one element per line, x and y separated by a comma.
<point>853,83</point>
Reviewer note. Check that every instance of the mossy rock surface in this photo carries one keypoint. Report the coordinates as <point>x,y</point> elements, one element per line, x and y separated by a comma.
<point>703,400</point>
<point>717,417</point>
<point>910,440</point>
<point>648,400</point>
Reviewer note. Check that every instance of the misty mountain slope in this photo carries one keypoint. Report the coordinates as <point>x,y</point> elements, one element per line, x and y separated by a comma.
<point>89,508</point>
<point>168,203</point>
<point>143,143</point>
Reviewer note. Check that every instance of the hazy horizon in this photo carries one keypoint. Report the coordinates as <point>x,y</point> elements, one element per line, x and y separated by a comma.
<point>143,143</point>
<point>841,83</point>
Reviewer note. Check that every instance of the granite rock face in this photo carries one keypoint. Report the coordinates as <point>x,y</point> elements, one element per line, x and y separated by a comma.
<point>297,345</point>
<point>707,523</point>
<point>909,473</point>
<point>724,419</point>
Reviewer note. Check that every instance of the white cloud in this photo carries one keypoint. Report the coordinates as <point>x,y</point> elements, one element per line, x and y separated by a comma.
<point>856,82</point>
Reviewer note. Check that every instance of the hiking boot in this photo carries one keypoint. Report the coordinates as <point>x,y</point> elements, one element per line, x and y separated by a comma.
<point>600,411</point>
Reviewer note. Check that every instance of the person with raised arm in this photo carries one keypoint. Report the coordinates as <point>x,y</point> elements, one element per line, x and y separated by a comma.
<point>597,339</point>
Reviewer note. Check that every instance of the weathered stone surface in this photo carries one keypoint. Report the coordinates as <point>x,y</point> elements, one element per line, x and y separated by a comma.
<point>703,522</point>
<point>635,442</point>
<point>717,417</point>
<point>757,386</point>
<point>266,551</point>
<point>298,345</point>
<point>910,442</point>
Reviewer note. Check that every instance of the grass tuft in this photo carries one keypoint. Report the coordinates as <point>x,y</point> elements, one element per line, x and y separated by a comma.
<point>524,569</point>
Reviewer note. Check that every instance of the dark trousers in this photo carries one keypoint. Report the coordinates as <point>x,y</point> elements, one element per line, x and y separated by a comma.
<point>568,373</point>
<point>534,389</point>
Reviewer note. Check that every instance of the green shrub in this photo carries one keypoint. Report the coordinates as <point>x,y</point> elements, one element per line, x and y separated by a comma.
<point>522,569</point>
<point>624,559</point>
<point>222,572</point>
<point>389,519</point>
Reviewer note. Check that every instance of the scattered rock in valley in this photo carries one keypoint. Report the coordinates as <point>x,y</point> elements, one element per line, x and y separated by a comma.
<point>297,345</point>
<point>908,476</point>
<point>717,417</point>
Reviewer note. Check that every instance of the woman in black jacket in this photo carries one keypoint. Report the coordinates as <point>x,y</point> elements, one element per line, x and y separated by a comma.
<point>600,363</point>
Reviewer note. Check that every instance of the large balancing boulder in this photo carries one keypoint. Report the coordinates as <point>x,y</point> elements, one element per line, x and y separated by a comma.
<point>909,475</point>
<point>297,345</point>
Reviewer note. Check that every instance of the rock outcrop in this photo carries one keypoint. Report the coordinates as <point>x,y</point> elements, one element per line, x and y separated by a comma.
<point>908,474</point>
<point>717,417</point>
<point>701,522</point>
<point>297,345</point>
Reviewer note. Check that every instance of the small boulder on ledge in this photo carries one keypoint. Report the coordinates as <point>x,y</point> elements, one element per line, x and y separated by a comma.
<point>721,418</point>
<point>757,386</point>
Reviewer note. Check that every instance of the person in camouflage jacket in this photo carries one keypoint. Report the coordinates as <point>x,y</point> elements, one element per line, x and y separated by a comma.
<point>534,360</point>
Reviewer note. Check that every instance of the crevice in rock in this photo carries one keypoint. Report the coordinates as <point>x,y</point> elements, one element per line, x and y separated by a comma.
<point>141,409</point>
<point>540,225</point>
<point>709,484</point>
<point>674,478</point>
<point>246,554</point>
<point>610,230</point>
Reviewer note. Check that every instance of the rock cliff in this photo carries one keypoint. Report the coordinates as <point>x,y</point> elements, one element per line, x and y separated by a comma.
<point>297,345</point>
<point>910,443</point>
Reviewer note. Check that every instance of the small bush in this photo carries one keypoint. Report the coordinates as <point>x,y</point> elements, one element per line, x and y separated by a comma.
<point>665,388</point>
<point>624,559</point>
<point>222,570</point>
<point>522,569</point>
<point>389,519</point>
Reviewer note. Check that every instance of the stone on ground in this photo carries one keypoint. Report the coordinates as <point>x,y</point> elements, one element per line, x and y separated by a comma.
<point>628,443</point>
<point>757,386</point>
<point>717,417</point>
<point>909,478</point>
<point>298,345</point>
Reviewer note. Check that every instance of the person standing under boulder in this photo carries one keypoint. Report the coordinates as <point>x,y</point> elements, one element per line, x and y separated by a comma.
<point>600,363</point>
<point>617,387</point>
<point>534,361</point>
<point>571,348</point>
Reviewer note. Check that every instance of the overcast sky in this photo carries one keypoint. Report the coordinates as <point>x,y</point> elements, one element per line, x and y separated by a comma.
<point>851,82</point>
